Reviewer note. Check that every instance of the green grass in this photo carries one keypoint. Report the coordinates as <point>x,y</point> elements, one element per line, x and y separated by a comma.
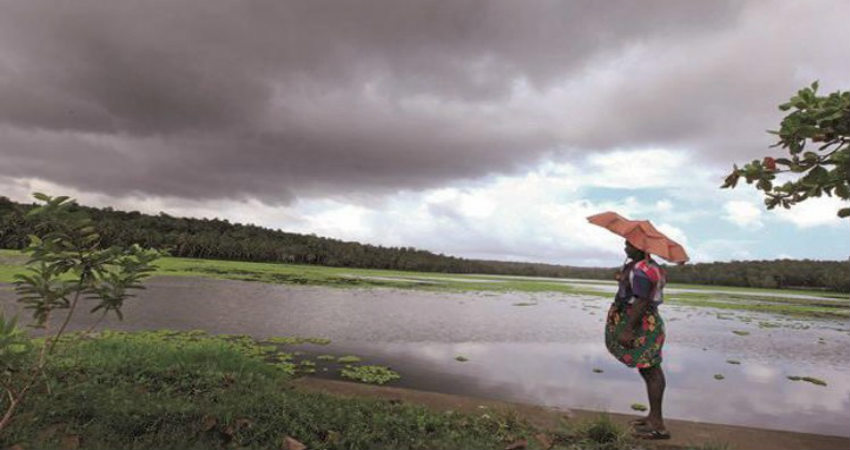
<point>797,307</point>
<point>167,390</point>
<point>600,433</point>
<point>769,292</point>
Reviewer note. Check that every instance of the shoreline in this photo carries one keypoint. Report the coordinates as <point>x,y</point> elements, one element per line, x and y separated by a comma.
<point>685,434</point>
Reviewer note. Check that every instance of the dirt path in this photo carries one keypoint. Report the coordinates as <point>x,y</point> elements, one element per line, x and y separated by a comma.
<point>686,434</point>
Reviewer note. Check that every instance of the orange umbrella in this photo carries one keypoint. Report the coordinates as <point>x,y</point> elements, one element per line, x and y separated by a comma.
<point>642,235</point>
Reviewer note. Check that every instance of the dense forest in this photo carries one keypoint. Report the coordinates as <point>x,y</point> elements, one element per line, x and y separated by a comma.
<point>220,239</point>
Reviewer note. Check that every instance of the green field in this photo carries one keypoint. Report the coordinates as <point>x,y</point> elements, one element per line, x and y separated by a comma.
<point>829,305</point>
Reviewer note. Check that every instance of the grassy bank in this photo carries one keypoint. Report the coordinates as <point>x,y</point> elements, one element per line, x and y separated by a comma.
<point>189,390</point>
<point>735,298</point>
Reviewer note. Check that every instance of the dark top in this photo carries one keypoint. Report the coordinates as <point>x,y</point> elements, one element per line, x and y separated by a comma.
<point>635,282</point>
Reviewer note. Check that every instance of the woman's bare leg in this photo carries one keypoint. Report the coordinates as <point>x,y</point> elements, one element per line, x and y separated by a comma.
<point>655,384</point>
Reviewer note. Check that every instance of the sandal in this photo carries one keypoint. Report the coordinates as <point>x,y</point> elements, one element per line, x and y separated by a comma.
<point>652,434</point>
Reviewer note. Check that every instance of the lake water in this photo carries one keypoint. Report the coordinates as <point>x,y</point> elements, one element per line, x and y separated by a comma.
<point>543,352</point>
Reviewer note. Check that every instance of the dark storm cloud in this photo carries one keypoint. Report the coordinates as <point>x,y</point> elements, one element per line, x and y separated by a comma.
<point>212,99</point>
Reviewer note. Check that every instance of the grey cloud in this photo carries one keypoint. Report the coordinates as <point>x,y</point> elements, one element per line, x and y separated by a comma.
<point>275,100</point>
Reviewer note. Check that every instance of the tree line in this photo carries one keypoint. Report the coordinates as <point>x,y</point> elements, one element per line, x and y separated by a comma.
<point>220,239</point>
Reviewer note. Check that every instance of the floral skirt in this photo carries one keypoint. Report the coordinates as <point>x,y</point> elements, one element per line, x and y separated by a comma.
<point>649,338</point>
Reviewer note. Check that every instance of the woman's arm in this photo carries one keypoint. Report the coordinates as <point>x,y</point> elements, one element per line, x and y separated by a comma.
<point>633,317</point>
<point>642,290</point>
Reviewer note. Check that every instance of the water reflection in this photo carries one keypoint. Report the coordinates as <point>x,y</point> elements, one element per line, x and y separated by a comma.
<point>561,375</point>
<point>544,352</point>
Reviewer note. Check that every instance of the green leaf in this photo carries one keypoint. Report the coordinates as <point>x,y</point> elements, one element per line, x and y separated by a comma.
<point>731,180</point>
<point>59,200</point>
<point>842,190</point>
<point>35,211</point>
<point>820,174</point>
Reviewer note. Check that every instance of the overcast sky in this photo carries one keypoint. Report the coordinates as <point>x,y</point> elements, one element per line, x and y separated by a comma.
<point>484,129</point>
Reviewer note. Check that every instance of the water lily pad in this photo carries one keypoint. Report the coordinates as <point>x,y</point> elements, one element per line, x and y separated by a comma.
<point>741,333</point>
<point>733,361</point>
<point>814,380</point>
<point>370,374</point>
<point>639,407</point>
<point>718,376</point>
<point>348,359</point>
<point>595,370</point>
<point>461,358</point>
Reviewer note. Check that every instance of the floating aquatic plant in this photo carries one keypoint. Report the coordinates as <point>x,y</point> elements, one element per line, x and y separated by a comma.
<point>295,340</point>
<point>812,380</point>
<point>370,374</point>
<point>348,359</point>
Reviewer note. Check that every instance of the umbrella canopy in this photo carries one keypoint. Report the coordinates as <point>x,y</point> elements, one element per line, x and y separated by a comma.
<point>642,235</point>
